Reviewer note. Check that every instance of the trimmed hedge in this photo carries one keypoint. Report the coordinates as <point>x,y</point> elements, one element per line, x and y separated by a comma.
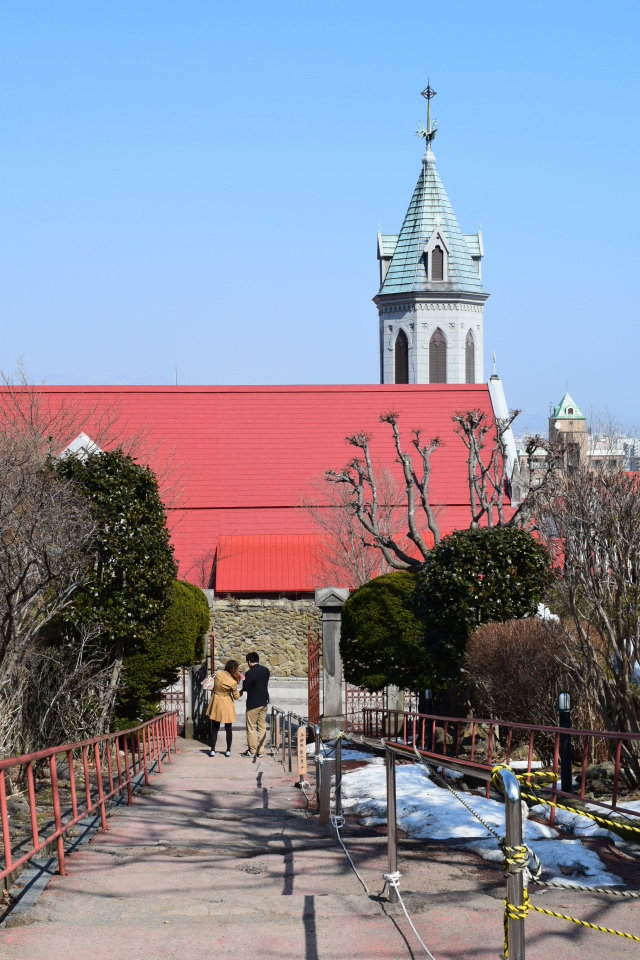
<point>411,630</point>
<point>382,641</point>
<point>474,577</point>
<point>179,643</point>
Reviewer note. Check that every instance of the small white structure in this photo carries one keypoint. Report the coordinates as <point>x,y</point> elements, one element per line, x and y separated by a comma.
<point>82,447</point>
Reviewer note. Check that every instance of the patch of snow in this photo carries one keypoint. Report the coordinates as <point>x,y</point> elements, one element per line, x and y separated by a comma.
<point>426,811</point>
<point>543,613</point>
<point>573,822</point>
<point>581,826</point>
<point>348,753</point>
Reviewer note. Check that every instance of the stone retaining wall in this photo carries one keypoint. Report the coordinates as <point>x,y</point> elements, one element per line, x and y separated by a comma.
<point>276,629</point>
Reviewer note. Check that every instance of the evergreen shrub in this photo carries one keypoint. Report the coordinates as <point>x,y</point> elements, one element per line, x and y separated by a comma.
<point>381,640</point>
<point>474,577</point>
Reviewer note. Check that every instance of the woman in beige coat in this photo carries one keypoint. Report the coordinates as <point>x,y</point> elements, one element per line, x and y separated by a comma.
<point>221,708</point>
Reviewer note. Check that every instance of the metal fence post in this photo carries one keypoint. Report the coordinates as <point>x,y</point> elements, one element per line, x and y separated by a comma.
<point>290,736</point>
<point>338,777</point>
<point>392,827</point>
<point>318,764</point>
<point>325,792</point>
<point>283,742</point>
<point>513,837</point>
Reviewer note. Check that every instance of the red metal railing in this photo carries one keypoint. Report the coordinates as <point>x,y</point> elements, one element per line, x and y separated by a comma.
<point>414,728</point>
<point>147,743</point>
<point>356,699</point>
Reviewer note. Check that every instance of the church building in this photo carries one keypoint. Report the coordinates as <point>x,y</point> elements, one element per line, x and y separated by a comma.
<point>250,457</point>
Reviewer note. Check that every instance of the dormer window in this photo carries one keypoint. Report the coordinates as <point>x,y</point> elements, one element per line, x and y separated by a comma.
<point>437,263</point>
<point>436,257</point>
<point>569,411</point>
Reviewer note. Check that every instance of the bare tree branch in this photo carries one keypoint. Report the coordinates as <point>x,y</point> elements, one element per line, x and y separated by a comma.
<point>359,476</point>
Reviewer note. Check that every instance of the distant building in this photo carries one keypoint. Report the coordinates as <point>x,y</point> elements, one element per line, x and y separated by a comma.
<point>578,445</point>
<point>568,425</point>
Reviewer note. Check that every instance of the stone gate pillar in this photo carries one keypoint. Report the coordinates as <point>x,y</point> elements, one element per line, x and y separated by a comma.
<point>330,601</point>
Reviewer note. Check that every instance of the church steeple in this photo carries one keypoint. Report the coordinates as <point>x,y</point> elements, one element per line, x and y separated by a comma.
<point>431,284</point>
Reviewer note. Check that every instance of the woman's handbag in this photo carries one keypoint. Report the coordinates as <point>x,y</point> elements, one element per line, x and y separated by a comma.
<point>208,682</point>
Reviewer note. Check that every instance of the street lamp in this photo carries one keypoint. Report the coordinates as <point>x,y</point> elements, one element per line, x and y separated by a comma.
<point>564,714</point>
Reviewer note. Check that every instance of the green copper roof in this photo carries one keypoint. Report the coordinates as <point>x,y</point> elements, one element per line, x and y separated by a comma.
<point>473,242</point>
<point>430,208</point>
<point>567,410</point>
<point>388,242</point>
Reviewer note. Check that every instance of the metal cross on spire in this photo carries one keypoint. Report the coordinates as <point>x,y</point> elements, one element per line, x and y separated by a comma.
<point>429,134</point>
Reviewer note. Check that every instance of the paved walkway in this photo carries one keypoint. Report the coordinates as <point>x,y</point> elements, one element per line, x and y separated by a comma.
<point>220,859</point>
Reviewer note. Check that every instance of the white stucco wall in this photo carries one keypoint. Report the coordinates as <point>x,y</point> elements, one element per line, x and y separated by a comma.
<point>420,321</point>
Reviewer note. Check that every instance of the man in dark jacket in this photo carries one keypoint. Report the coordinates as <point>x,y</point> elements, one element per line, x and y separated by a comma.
<point>256,687</point>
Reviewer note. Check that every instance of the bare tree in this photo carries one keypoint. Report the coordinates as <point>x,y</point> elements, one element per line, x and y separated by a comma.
<point>66,685</point>
<point>202,568</point>
<point>590,521</point>
<point>359,477</point>
<point>486,442</point>
<point>45,532</point>
<point>347,557</point>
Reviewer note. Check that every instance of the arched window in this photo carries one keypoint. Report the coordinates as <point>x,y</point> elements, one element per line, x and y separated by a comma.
<point>470,359</point>
<point>437,264</point>
<point>402,358</point>
<point>437,358</point>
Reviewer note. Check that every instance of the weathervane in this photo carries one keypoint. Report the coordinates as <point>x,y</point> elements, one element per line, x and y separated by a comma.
<point>429,134</point>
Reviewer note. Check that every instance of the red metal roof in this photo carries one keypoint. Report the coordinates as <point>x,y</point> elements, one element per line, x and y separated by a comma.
<point>246,454</point>
<point>268,564</point>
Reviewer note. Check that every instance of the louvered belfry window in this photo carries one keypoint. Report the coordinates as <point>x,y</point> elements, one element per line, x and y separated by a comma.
<point>437,264</point>
<point>470,359</point>
<point>402,358</point>
<point>437,358</point>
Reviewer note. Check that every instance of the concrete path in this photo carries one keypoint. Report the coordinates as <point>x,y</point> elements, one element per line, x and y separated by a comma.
<point>220,859</point>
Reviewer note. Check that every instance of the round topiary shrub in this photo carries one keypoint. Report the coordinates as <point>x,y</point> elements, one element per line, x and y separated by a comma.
<point>382,641</point>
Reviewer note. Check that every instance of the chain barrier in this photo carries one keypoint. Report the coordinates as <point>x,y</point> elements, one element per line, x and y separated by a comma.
<point>517,859</point>
<point>522,777</point>
<point>552,777</point>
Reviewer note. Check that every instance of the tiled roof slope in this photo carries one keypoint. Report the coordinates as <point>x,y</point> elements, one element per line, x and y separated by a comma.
<point>406,272</point>
<point>388,243</point>
<point>473,243</point>
<point>243,456</point>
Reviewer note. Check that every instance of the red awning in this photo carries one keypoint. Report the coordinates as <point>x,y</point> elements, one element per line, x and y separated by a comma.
<point>269,564</point>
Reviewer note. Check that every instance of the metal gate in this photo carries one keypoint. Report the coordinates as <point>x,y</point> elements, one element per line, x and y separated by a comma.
<point>357,698</point>
<point>313,675</point>
<point>175,698</point>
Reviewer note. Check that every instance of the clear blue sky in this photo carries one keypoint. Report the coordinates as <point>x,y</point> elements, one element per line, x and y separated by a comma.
<point>201,183</point>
